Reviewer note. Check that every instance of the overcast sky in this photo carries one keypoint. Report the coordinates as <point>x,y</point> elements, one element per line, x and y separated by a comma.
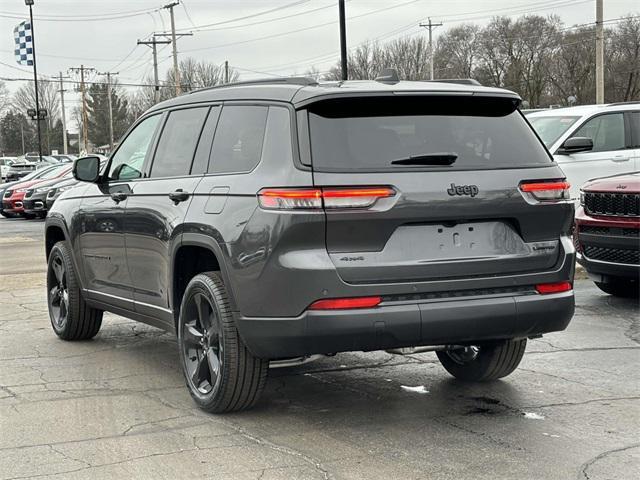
<point>298,34</point>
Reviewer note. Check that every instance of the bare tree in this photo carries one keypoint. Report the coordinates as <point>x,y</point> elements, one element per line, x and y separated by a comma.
<point>457,52</point>
<point>622,65</point>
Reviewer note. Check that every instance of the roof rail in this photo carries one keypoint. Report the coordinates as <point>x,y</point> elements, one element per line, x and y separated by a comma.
<point>631,102</point>
<point>302,81</point>
<point>459,81</point>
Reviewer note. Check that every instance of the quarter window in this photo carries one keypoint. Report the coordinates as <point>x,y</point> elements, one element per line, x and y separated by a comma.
<point>237,145</point>
<point>178,141</point>
<point>606,131</point>
<point>127,162</point>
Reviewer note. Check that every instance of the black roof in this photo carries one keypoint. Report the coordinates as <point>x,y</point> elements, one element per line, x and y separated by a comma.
<point>301,91</point>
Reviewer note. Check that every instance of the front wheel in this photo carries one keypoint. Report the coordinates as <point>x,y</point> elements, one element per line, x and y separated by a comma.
<point>483,362</point>
<point>220,372</point>
<point>71,317</point>
<point>620,287</point>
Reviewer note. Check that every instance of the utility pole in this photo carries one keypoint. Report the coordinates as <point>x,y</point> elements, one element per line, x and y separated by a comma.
<point>226,71</point>
<point>343,42</point>
<point>176,70</point>
<point>430,26</point>
<point>153,42</point>
<point>599,53</point>
<point>85,116</point>
<point>108,75</point>
<point>22,134</point>
<point>64,116</point>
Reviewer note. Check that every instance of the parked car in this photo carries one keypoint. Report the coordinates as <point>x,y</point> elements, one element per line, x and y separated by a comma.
<point>64,158</point>
<point>285,218</point>
<point>40,197</point>
<point>591,141</point>
<point>607,233</point>
<point>12,200</point>
<point>5,163</point>
<point>19,170</point>
<point>7,185</point>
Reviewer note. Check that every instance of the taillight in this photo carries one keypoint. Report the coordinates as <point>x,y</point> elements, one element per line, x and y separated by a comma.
<point>546,288</point>
<point>317,198</point>
<point>547,191</point>
<point>345,303</point>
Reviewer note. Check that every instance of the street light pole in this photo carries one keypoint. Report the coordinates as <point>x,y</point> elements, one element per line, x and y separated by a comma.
<point>29,3</point>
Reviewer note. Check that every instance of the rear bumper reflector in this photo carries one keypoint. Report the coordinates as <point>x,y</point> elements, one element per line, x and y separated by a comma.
<point>558,287</point>
<point>345,303</point>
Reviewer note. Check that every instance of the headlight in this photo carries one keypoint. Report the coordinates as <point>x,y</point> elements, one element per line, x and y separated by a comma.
<point>52,193</point>
<point>581,198</point>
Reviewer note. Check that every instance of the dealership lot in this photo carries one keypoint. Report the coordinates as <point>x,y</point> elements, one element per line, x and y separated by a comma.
<point>116,406</point>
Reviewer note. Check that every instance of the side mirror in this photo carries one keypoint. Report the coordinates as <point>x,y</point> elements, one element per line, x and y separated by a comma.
<point>575,145</point>
<point>87,169</point>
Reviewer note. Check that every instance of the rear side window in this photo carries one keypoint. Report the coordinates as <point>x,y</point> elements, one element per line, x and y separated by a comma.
<point>606,131</point>
<point>237,145</point>
<point>634,117</point>
<point>368,134</point>
<point>177,143</point>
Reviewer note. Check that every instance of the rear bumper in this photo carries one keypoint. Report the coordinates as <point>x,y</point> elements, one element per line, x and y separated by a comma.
<point>394,325</point>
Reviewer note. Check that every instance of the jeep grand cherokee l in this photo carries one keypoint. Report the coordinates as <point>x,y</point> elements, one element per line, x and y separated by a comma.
<point>607,233</point>
<point>280,219</point>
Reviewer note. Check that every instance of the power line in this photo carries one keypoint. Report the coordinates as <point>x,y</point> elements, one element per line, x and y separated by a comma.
<point>80,18</point>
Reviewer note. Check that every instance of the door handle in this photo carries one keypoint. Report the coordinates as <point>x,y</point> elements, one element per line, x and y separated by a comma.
<point>118,196</point>
<point>620,158</point>
<point>178,196</point>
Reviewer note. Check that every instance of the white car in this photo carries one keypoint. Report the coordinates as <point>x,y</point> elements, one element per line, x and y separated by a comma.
<point>5,163</point>
<point>591,141</point>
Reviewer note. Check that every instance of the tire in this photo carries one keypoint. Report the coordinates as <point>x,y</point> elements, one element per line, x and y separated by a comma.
<point>620,287</point>
<point>71,317</point>
<point>220,372</point>
<point>486,362</point>
<point>6,214</point>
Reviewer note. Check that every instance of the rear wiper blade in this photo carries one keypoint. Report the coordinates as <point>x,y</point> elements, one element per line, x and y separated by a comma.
<point>436,159</point>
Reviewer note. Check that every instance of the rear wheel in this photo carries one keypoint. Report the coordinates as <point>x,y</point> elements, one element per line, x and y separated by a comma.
<point>71,317</point>
<point>620,287</point>
<point>220,372</point>
<point>483,362</point>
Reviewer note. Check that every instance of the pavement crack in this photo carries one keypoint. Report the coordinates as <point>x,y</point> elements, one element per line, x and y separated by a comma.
<point>584,402</point>
<point>583,473</point>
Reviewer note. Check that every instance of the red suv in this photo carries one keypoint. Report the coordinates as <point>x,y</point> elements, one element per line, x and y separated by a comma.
<point>607,234</point>
<point>14,195</point>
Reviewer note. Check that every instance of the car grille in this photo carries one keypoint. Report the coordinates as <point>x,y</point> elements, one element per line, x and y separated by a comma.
<point>612,204</point>
<point>597,230</point>
<point>8,193</point>
<point>613,255</point>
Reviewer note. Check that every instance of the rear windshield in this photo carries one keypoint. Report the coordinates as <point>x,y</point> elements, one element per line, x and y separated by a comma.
<point>369,134</point>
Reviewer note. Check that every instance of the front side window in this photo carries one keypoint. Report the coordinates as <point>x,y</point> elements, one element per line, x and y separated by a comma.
<point>237,146</point>
<point>128,160</point>
<point>177,143</point>
<point>551,129</point>
<point>606,131</point>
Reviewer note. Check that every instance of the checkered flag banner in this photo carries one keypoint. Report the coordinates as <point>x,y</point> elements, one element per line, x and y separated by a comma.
<point>24,43</point>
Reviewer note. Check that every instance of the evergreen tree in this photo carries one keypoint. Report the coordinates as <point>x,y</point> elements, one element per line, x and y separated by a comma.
<point>98,112</point>
<point>12,126</point>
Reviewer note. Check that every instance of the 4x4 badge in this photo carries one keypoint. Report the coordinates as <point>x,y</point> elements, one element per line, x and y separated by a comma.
<point>463,190</point>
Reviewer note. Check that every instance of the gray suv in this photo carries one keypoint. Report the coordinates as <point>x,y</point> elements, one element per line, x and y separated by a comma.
<point>269,221</point>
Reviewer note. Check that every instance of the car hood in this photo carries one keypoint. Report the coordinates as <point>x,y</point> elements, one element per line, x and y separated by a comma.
<point>625,183</point>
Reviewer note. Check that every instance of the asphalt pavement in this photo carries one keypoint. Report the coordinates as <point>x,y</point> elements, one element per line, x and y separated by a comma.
<point>117,406</point>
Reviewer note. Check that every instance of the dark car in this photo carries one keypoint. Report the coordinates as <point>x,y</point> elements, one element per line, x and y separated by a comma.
<point>20,170</point>
<point>39,199</point>
<point>607,233</point>
<point>7,186</point>
<point>280,219</point>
